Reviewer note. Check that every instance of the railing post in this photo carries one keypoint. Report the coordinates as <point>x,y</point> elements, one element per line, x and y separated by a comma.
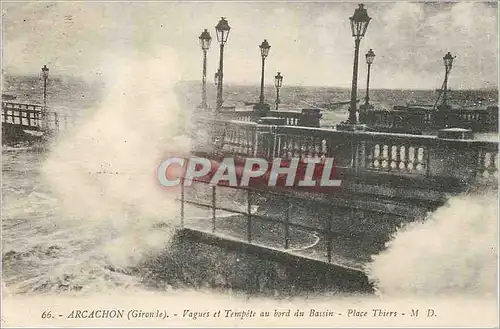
<point>255,141</point>
<point>310,117</point>
<point>182,201</point>
<point>274,132</point>
<point>359,156</point>
<point>213,208</point>
<point>454,155</point>
<point>249,217</point>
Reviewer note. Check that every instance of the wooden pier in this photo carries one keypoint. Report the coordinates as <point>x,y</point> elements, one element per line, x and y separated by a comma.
<point>30,122</point>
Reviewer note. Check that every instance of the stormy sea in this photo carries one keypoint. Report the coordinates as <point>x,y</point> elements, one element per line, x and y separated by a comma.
<point>85,215</point>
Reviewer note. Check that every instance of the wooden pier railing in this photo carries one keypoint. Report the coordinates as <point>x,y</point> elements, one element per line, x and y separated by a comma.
<point>34,117</point>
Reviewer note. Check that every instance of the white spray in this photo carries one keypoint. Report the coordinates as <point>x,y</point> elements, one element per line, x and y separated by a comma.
<point>453,252</point>
<point>104,173</point>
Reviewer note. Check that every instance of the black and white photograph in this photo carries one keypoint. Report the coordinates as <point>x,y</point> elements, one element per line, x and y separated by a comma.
<point>249,163</point>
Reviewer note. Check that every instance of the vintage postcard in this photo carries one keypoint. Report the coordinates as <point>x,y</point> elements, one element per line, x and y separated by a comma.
<point>249,164</point>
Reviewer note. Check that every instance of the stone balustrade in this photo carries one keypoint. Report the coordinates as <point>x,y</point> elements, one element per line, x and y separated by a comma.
<point>307,117</point>
<point>423,120</point>
<point>360,153</point>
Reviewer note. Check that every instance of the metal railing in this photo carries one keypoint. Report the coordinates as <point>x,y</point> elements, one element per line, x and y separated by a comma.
<point>34,117</point>
<point>314,237</point>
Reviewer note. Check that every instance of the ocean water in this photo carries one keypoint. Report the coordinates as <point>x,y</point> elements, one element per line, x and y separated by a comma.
<point>86,215</point>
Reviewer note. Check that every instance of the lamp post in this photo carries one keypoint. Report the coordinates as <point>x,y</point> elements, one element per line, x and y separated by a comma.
<point>264,51</point>
<point>448,63</point>
<point>370,56</point>
<point>222,29</point>
<point>278,82</point>
<point>216,79</point>
<point>359,24</point>
<point>205,41</point>
<point>45,76</point>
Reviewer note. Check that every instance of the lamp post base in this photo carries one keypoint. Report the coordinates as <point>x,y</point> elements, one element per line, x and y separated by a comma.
<point>346,126</point>
<point>366,107</point>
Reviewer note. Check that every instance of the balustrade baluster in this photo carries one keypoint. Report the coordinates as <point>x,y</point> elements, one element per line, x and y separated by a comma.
<point>481,163</point>
<point>307,147</point>
<point>284,148</point>
<point>391,149</point>
<point>239,142</point>
<point>248,139</point>
<point>385,155</point>
<point>324,149</point>
<point>398,157</point>
<point>249,217</point>
<point>377,156</point>
<point>315,148</point>
<point>427,160</point>
<point>412,162</point>
<point>405,158</point>
<point>255,143</point>
<point>420,158</point>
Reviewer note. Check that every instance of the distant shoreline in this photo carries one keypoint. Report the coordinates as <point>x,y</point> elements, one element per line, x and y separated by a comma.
<point>256,85</point>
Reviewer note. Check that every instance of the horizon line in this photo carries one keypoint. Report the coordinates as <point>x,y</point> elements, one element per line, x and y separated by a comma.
<point>340,87</point>
<point>257,85</point>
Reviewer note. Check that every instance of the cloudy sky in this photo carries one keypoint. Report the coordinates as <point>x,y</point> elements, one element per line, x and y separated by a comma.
<point>310,42</point>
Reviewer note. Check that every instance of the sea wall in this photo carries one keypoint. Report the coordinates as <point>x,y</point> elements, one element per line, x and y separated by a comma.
<point>199,260</point>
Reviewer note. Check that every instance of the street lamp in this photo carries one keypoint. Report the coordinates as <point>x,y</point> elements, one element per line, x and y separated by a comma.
<point>370,56</point>
<point>222,30</point>
<point>448,63</point>
<point>45,76</point>
<point>359,24</point>
<point>264,51</point>
<point>278,82</point>
<point>205,41</point>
